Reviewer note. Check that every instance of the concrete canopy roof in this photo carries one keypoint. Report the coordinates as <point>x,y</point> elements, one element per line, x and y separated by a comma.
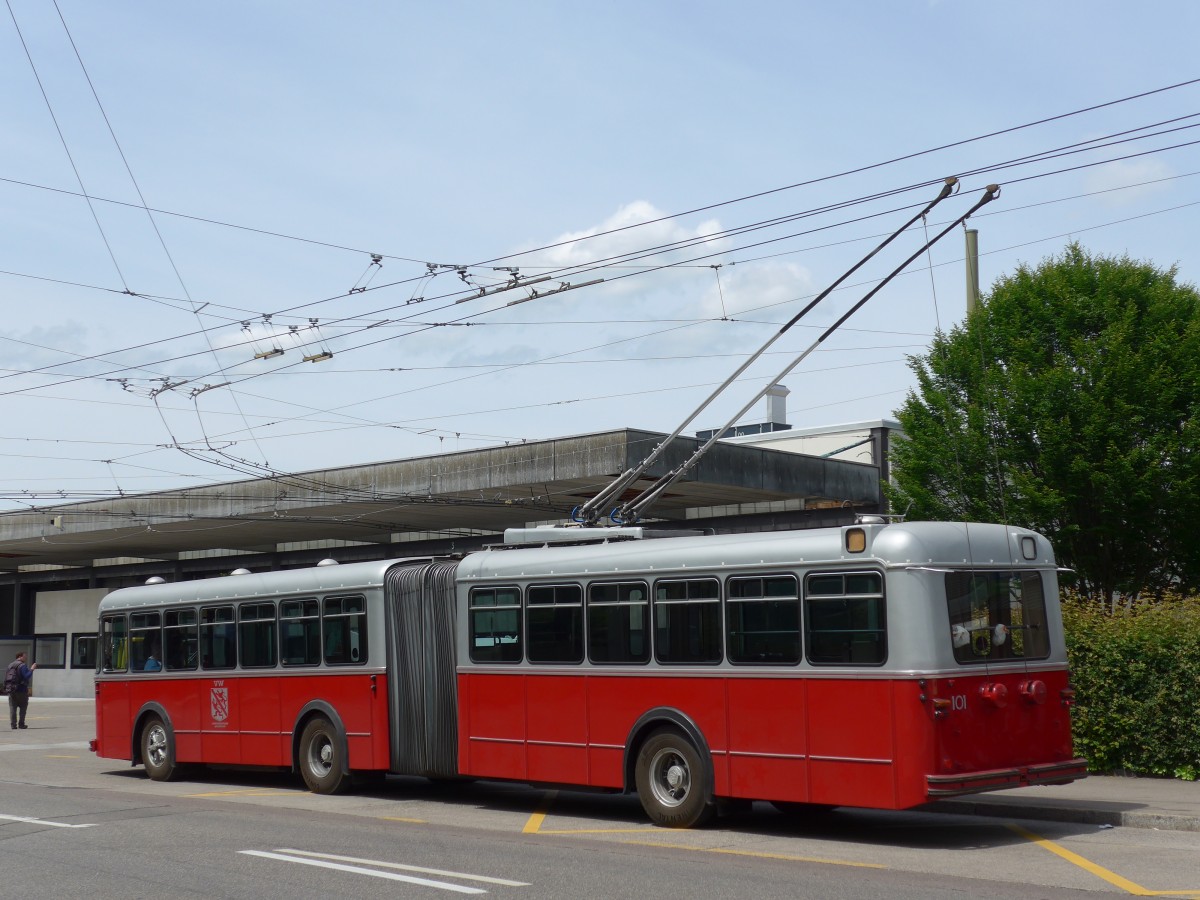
<point>450,494</point>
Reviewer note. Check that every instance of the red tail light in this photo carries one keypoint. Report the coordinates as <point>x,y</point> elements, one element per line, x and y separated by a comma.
<point>995,694</point>
<point>1034,690</point>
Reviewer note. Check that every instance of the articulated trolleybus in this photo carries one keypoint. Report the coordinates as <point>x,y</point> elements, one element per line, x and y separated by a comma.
<point>883,664</point>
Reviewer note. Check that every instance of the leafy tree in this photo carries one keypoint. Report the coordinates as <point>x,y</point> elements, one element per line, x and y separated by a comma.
<point>1068,402</point>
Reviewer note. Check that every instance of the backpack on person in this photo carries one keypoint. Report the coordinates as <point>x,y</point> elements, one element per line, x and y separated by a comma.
<point>13,682</point>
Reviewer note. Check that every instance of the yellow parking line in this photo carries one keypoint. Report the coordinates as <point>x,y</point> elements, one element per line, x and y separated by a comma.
<point>400,819</point>
<point>601,831</point>
<point>1088,866</point>
<point>535,821</point>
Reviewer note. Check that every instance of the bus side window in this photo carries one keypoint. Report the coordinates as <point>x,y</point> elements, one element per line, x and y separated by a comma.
<point>617,622</point>
<point>764,620</point>
<point>845,619</point>
<point>218,638</point>
<point>344,624</point>
<point>495,615</point>
<point>180,639</point>
<point>687,621</point>
<point>554,623</point>
<point>145,641</point>
<point>300,632</point>
<point>256,635</point>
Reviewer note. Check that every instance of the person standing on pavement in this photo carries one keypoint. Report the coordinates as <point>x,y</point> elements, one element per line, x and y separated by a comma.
<point>18,679</point>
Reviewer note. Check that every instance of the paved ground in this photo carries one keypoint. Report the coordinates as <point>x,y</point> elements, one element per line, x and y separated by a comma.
<point>1164,803</point>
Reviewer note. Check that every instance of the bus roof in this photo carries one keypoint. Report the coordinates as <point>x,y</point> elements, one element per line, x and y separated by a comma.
<point>315,579</point>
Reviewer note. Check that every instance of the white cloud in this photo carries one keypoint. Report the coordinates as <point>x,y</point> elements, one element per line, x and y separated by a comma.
<point>1128,181</point>
<point>638,228</point>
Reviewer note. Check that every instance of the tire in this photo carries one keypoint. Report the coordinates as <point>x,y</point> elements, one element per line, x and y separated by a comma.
<point>321,763</point>
<point>158,751</point>
<point>672,781</point>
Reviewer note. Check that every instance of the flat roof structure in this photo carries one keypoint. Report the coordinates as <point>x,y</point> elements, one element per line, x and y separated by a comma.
<point>447,501</point>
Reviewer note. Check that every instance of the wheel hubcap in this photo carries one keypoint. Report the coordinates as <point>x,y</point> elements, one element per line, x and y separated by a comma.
<point>156,746</point>
<point>320,759</point>
<point>671,779</point>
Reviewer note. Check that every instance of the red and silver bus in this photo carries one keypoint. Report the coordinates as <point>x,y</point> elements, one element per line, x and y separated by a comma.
<point>883,664</point>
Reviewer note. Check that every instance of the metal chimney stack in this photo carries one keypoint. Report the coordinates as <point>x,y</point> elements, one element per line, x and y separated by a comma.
<point>777,404</point>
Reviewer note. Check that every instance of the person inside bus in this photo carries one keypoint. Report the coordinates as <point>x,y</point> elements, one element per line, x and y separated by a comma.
<point>152,664</point>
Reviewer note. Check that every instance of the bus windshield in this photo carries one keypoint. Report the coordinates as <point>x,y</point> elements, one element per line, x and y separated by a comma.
<point>997,615</point>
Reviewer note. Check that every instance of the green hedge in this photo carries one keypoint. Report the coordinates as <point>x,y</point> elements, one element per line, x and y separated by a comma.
<point>1137,684</point>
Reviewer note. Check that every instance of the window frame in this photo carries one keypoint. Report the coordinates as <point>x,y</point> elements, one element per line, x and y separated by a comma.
<point>75,642</point>
<point>254,625</point>
<point>846,596</point>
<point>151,636</point>
<point>669,607</point>
<point>766,600</point>
<point>173,629</point>
<point>576,628</point>
<point>354,617</point>
<point>310,631</point>
<point>43,644</point>
<point>114,643</point>
<point>980,648</point>
<point>209,628</point>
<point>476,612</point>
<point>647,626</point>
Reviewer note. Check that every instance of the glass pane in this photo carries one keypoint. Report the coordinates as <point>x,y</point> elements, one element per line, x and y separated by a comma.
<point>256,635</point>
<point>345,633</point>
<point>996,615</point>
<point>218,638</point>
<point>83,651</point>
<point>50,650</point>
<point>766,632</point>
<point>845,629</point>
<point>495,635</point>
<point>114,644</point>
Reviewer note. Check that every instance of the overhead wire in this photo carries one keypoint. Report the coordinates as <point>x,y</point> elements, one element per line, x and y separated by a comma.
<point>709,238</point>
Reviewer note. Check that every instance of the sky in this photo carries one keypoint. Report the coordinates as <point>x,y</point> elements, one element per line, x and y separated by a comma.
<point>186,189</point>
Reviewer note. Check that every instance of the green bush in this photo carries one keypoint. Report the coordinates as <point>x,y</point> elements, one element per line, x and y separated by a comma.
<point>1137,685</point>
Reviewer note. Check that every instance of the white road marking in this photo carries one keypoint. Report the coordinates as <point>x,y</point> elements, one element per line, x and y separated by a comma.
<point>44,822</point>
<point>389,865</point>
<point>358,870</point>
<point>74,745</point>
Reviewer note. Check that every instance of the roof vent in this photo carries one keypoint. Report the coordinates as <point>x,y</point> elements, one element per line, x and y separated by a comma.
<point>328,562</point>
<point>156,579</point>
<point>240,572</point>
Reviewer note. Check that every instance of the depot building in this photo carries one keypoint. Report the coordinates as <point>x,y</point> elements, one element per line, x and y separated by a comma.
<point>58,561</point>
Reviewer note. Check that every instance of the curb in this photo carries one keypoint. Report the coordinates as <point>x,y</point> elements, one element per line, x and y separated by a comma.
<point>1097,813</point>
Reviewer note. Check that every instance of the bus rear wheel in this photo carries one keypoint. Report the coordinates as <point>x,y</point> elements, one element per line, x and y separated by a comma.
<point>671,782</point>
<point>158,751</point>
<point>321,763</point>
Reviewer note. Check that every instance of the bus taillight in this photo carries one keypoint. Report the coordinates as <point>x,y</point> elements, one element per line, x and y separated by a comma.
<point>995,694</point>
<point>1034,690</point>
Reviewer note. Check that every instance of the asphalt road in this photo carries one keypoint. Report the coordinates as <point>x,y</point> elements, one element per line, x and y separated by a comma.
<point>74,825</point>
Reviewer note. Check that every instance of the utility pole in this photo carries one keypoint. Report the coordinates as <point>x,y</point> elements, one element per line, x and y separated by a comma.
<point>972,257</point>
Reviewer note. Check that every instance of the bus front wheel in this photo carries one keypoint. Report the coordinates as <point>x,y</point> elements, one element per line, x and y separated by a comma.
<point>671,782</point>
<point>321,762</point>
<point>158,751</point>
